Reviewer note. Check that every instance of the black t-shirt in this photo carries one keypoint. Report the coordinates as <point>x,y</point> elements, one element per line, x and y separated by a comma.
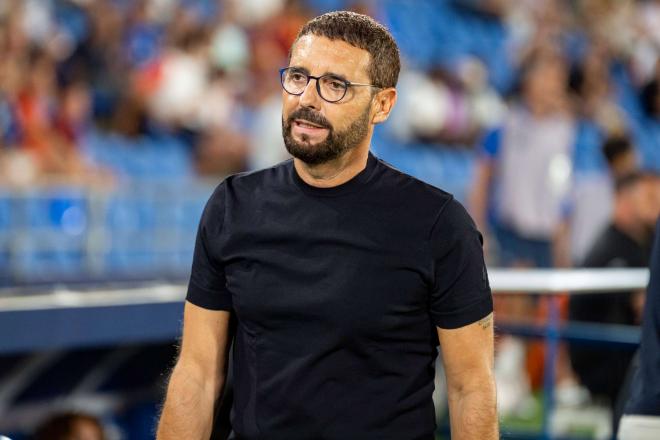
<point>337,293</point>
<point>602,370</point>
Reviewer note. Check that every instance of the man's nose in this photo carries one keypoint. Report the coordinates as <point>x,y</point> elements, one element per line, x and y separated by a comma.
<point>310,96</point>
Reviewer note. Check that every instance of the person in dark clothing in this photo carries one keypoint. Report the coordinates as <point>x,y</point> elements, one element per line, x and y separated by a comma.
<point>624,243</point>
<point>343,274</point>
<point>641,420</point>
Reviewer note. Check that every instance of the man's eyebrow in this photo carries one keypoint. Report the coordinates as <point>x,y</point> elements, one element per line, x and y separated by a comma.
<point>306,72</point>
<point>336,75</point>
<point>299,69</point>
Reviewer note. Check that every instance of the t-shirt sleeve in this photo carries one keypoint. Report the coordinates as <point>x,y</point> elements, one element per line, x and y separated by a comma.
<point>461,294</point>
<point>207,287</point>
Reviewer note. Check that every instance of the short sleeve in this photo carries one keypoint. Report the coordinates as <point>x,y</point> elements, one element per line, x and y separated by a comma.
<point>461,294</point>
<point>490,145</point>
<point>207,287</point>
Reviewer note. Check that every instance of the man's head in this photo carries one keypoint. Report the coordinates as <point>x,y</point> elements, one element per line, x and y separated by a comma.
<point>351,48</point>
<point>544,79</point>
<point>637,202</point>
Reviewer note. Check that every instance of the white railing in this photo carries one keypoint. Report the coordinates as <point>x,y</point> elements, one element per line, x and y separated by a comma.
<point>536,281</point>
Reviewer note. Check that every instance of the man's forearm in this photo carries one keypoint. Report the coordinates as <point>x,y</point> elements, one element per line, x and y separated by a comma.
<point>473,414</point>
<point>189,407</point>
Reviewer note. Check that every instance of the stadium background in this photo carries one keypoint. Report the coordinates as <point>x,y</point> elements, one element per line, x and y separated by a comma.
<point>118,117</point>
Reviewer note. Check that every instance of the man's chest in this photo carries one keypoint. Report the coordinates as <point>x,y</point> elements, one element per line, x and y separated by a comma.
<point>358,278</point>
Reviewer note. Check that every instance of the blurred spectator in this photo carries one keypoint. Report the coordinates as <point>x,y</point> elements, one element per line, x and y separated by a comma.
<point>440,107</point>
<point>527,162</point>
<point>593,193</point>
<point>626,242</point>
<point>486,105</point>
<point>35,107</point>
<point>70,426</point>
<point>182,81</point>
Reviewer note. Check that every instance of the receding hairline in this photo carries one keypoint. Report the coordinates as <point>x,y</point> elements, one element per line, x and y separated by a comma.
<point>370,58</point>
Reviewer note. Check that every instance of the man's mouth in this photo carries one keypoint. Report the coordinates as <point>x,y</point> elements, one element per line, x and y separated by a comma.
<point>306,124</point>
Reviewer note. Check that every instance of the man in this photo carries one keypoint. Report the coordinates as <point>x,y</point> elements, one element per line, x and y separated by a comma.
<point>625,242</point>
<point>593,193</point>
<point>642,412</point>
<point>342,272</point>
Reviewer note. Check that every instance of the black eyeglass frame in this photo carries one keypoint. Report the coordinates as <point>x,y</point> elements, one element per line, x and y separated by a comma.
<point>347,83</point>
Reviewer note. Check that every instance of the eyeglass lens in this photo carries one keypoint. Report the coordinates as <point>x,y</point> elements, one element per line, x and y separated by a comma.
<point>330,87</point>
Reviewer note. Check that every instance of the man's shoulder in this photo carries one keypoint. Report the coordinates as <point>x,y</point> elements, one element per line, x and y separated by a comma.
<point>613,248</point>
<point>256,179</point>
<point>421,203</point>
<point>407,186</point>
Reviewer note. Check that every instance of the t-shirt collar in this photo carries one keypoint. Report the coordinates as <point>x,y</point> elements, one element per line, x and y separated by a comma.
<point>354,184</point>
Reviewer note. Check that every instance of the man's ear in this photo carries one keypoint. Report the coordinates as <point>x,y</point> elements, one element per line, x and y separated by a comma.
<point>383,103</point>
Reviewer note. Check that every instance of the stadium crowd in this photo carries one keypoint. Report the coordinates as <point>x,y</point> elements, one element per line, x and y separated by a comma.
<point>206,72</point>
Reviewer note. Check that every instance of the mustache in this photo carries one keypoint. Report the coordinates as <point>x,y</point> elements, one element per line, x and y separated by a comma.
<point>309,115</point>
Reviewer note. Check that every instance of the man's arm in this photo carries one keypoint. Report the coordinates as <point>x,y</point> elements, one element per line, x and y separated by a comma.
<point>467,354</point>
<point>198,377</point>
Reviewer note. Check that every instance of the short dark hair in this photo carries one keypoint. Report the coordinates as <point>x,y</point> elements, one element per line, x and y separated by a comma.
<point>365,33</point>
<point>616,146</point>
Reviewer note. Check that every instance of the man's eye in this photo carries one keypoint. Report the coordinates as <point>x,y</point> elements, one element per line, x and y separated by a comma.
<point>337,85</point>
<point>296,76</point>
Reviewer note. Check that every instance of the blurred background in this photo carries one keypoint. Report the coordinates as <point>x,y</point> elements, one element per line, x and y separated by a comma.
<point>119,117</point>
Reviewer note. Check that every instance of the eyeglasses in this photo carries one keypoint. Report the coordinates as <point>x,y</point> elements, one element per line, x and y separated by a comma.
<point>329,87</point>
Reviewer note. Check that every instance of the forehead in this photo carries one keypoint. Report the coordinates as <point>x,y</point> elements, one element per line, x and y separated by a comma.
<point>320,55</point>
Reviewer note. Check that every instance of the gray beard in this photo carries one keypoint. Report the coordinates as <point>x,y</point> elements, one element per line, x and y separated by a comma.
<point>334,146</point>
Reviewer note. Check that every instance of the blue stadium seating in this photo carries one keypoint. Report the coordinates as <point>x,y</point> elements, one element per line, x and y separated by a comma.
<point>162,157</point>
<point>165,197</point>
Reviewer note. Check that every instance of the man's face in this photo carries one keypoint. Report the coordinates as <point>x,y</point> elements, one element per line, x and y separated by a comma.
<point>545,83</point>
<point>314,130</point>
<point>647,201</point>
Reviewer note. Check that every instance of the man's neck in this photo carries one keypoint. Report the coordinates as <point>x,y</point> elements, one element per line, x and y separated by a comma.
<point>335,172</point>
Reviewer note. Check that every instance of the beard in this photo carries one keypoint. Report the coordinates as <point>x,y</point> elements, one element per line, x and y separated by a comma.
<point>335,145</point>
